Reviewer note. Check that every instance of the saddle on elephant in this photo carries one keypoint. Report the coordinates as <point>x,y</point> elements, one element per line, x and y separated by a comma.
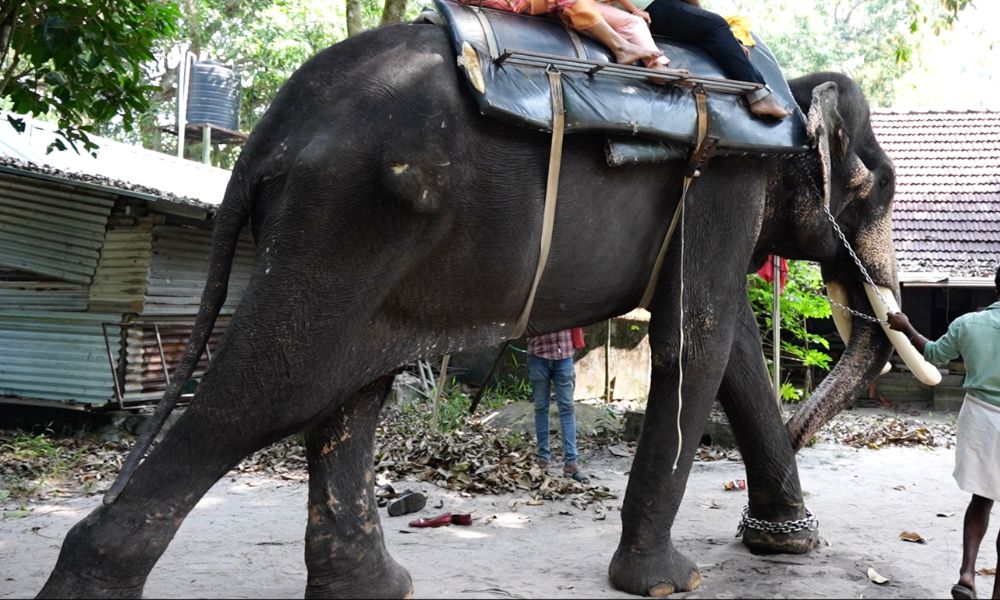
<point>507,60</point>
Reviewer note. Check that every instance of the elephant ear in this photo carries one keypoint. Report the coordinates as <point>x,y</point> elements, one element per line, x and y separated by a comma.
<point>825,127</point>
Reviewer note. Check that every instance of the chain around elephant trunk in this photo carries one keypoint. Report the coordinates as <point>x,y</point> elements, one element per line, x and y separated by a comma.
<point>809,522</point>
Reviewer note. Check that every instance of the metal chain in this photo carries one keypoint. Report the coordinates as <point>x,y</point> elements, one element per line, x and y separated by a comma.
<point>810,522</point>
<point>857,261</point>
<point>856,313</point>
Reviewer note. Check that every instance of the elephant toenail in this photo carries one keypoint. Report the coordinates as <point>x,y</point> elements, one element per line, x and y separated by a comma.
<point>661,590</point>
<point>693,583</point>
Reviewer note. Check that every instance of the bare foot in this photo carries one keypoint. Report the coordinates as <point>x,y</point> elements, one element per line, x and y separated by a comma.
<point>677,72</point>
<point>768,106</point>
<point>627,53</point>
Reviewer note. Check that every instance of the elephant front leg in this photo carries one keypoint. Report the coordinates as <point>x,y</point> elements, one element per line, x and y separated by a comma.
<point>345,552</point>
<point>646,561</point>
<point>778,519</point>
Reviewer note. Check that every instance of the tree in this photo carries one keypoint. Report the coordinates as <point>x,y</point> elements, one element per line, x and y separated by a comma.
<point>801,301</point>
<point>873,41</point>
<point>79,62</point>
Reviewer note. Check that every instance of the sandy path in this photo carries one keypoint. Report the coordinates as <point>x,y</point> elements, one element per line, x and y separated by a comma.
<point>245,538</point>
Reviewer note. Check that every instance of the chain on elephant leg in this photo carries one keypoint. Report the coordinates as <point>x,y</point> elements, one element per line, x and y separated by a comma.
<point>793,536</point>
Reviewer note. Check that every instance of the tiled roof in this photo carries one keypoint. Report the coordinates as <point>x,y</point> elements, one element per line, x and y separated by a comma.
<point>947,208</point>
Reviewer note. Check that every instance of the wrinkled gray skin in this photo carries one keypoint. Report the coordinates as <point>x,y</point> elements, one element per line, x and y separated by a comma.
<point>393,222</point>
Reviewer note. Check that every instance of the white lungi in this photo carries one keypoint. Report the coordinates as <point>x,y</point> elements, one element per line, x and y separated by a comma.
<point>977,451</point>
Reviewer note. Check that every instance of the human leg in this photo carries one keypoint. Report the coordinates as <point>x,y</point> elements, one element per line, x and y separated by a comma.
<point>539,374</point>
<point>585,16</point>
<point>634,30</point>
<point>977,520</point>
<point>692,24</point>
<point>996,577</point>
<point>564,378</point>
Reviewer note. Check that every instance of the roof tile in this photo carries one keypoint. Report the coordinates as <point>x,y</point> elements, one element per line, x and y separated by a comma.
<point>947,208</point>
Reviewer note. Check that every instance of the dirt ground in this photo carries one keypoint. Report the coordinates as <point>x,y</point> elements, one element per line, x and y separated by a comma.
<point>245,538</point>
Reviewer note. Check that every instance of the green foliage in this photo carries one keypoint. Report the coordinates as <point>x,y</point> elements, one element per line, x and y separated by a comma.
<point>873,41</point>
<point>79,62</point>
<point>801,300</point>
<point>30,461</point>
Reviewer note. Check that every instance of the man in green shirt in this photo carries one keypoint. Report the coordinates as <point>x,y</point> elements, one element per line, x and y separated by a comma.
<point>976,337</point>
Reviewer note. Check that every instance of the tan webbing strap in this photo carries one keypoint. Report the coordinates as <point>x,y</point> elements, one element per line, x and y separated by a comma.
<point>551,193</point>
<point>697,155</point>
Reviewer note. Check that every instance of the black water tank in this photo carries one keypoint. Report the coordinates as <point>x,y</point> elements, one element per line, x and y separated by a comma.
<point>214,96</point>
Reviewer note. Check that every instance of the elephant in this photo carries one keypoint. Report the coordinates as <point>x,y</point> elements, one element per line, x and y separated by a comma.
<point>393,222</point>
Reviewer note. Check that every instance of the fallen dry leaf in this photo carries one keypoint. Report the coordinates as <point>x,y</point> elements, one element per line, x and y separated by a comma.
<point>876,578</point>
<point>987,572</point>
<point>912,536</point>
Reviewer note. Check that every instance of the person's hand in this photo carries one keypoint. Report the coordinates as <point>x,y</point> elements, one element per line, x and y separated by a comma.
<point>898,322</point>
<point>643,14</point>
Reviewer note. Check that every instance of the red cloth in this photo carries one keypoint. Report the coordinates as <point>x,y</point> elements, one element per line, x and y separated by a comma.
<point>578,341</point>
<point>767,272</point>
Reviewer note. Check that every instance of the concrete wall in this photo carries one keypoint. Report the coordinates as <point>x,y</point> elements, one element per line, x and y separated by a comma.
<point>623,363</point>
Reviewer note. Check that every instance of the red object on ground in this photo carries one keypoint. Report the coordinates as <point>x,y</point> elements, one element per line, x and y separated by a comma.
<point>578,341</point>
<point>767,272</point>
<point>443,519</point>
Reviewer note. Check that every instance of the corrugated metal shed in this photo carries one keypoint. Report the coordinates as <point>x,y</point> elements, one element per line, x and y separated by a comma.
<point>178,269</point>
<point>144,379</point>
<point>56,356</point>
<point>51,230</point>
<point>86,243</point>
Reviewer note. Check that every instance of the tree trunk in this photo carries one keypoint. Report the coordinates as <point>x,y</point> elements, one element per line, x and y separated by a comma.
<point>394,11</point>
<point>354,23</point>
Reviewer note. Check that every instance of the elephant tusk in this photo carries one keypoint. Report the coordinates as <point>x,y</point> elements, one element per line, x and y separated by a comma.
<point>840,316</point>
<point>841,319</point>
<point>924,371</point>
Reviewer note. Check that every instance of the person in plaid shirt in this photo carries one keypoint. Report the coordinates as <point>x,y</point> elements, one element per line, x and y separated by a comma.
<point>550,362</point>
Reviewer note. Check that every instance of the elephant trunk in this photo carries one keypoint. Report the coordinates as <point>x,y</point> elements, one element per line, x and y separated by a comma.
<point>861,362</point>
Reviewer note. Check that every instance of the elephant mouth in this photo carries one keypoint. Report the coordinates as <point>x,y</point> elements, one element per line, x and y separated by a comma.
<point>868,345</point>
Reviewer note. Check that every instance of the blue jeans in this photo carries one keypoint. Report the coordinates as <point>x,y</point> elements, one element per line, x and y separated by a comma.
<point>542,372</point>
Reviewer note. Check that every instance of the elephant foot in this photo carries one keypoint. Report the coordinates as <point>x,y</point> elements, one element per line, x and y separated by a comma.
<point>654,574</point>
<point>390,580</point>
<point>797,542</point>
<point>788,537</point>
<point>96,563</point>
<point>66,584</point>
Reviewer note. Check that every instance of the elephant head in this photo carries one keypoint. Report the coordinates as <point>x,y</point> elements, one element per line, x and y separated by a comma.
<point>840,214</point>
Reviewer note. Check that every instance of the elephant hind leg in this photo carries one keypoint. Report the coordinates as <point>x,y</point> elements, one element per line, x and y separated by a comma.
<point>345,552</point>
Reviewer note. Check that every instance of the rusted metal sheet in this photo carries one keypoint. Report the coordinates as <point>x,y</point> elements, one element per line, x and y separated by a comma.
<point>54,355</point>
<point>51,230</point>
<point>145,379</point>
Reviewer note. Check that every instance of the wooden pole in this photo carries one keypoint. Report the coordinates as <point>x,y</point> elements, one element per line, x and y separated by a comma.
<point>437,391</point>
<point>486,380</point>
<point>776,326</point>
<point>607,365</point>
